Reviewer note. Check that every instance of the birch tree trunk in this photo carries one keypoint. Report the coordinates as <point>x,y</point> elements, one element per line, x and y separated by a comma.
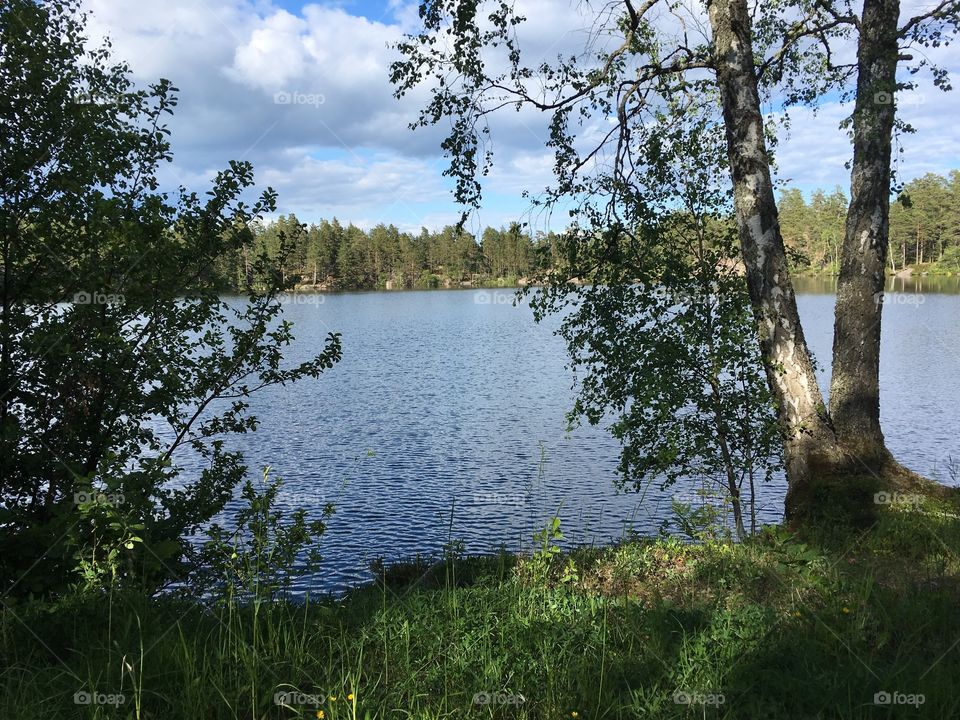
<point>809,441</point>
<point>855,384</point>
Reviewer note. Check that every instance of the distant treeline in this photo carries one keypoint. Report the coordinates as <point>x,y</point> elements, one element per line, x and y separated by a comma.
<point>331,256</point>
<point>924,234</point>
<point>924,226</point>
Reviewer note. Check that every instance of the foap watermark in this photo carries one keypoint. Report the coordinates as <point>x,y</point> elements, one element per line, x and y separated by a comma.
<point>499,499</point>
<point>882,98</point>
<point>82,697</point>
<point>698,697</point>
<point>894,498</point>
<point>898,298</point>
<point>695,497</point>
<point>297,698</point>
<point>95,98</point>
<point>677,296</point>
<point>903,100</point>
<point>299,98</point>
<point>498,698</point>
<point>898,698</point>
<point>491,298</point>
<point>911,100</point>
<point>302,499</point>
<point>84,497</point>
<point>96,298</point>
<point>301,299</point>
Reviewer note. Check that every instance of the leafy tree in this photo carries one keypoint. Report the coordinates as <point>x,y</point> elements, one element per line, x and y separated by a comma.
<point>646,85</point>
<point>923,224</point>
<point>117,354</point>
<point>493,251</point>
<point>663,338</point>
<point>795,224</point>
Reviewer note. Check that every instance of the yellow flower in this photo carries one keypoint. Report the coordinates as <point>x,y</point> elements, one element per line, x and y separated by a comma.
<point>350,697</point>
<point>574,714</point>
<point>846,611</point>
<point>333,698</point>
<point>321,714</point>
<point>796,613</point>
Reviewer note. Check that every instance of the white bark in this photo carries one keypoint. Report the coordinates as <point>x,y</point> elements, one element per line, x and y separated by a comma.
<point>807,434</point>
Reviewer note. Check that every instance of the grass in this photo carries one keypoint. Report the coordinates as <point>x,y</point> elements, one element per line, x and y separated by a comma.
<point>807,624</point>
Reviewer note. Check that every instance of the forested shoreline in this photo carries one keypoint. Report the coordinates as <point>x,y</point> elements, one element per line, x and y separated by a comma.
<point>325,256</point>
<point>924,227</point>
<point>331,256</point>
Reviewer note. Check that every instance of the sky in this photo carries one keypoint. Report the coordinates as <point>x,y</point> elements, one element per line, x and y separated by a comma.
<point>301,90</point>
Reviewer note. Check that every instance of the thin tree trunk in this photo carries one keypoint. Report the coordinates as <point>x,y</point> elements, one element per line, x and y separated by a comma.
<point>728,464</point>
<point>809,442</point>
<point>855,384</point>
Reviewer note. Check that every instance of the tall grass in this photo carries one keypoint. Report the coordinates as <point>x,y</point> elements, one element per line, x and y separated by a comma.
<point>818,624</point>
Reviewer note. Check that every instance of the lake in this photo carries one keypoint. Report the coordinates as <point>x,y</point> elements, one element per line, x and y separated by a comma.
<point>445,420</point>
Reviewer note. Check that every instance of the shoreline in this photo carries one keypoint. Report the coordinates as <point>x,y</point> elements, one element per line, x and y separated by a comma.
<point>655,628</point>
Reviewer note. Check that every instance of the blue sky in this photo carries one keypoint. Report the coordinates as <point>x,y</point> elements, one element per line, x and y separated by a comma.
<point>376,11</point>
<point>339,144</point>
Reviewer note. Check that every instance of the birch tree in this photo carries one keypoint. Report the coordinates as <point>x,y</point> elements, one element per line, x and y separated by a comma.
<point>855,383</point>
<point>732,55</point>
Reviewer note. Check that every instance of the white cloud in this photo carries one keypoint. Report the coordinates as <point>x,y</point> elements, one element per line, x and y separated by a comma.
<point>354,182</point>
<point>230,58</point>
<point>814,152</point>
<point>274,54</point>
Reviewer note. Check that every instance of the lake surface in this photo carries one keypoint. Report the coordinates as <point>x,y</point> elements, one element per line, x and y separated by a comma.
<point>445,420</point>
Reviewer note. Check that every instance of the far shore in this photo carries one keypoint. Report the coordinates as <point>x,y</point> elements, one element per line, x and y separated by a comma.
<point>909,274</point>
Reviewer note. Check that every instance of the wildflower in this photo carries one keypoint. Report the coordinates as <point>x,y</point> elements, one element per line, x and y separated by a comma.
<point>350,697</point>
<point>321,714</point>
<point>796,613</point>
<point>574,714</point>
<point>333,698</point>
<point>846,611</point>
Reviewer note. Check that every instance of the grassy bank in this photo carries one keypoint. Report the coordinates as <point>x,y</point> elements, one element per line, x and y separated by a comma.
<point>813,624</point>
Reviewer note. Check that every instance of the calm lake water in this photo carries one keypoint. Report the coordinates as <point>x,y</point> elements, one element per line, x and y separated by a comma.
<point>446,420</point>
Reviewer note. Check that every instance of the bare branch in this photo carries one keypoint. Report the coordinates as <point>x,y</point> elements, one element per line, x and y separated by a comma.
<point>943,11</point>
<point>801,30</point>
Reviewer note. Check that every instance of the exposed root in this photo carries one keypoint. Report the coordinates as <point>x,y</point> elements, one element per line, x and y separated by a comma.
<point>850,488</point>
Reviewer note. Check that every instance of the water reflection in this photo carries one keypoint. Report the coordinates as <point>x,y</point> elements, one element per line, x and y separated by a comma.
<point>937,284</point>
